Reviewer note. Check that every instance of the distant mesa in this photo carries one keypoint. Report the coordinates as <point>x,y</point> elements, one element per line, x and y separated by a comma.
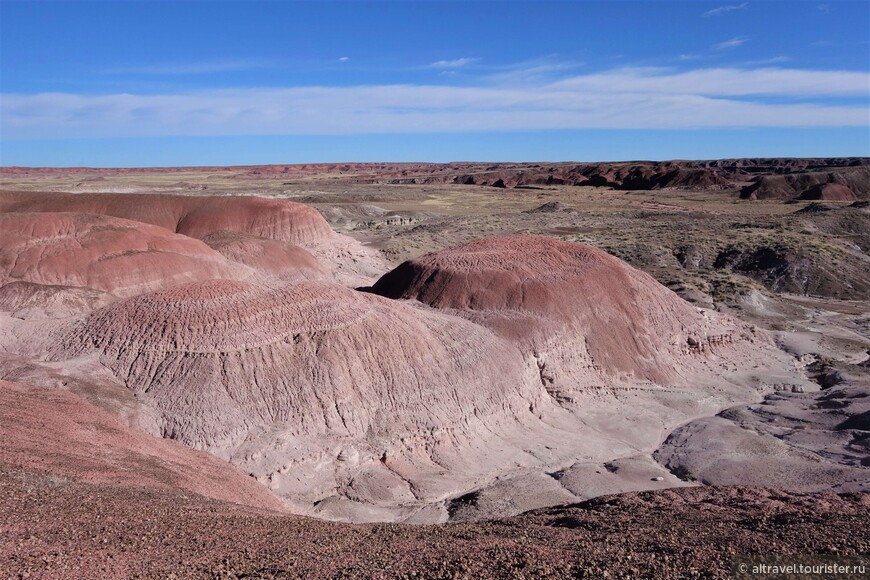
<point>755,178</point>
<point>650,175</point>
<point>669,176</point>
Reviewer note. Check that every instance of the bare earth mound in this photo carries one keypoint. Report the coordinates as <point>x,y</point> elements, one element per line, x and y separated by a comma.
<point>203,216</point>
<point>291,379</point>
<point>103,253</point>
<point>193,216</point>
<point>615,320</point>
<point>282,259</point>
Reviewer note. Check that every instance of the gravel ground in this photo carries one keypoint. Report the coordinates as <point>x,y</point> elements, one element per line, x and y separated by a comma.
<point>52,528</point>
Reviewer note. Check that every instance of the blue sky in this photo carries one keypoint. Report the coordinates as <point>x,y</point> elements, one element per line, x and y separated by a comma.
<point>193,83</point>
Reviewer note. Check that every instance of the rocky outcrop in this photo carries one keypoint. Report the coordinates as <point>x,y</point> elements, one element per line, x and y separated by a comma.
<point>841,185</point>
<point>828,192</point>
<point>798,270</point>
<point>552,207</point>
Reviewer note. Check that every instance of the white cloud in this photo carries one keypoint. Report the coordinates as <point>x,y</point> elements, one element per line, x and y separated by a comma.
<point>343,59</point>
<point>455,63</point>
<point>768,61</point>
<point>190,68</point>
<point>536,71</point>
<point>731,43</point>
<point>617,99</point>
<point>723,9</point>
<point>724,82</point>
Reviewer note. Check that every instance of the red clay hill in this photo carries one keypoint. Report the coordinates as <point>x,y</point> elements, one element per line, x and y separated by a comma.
<point>190,215</point>
<point>274,235</point>
<point>103,253</point>
<point>219,358</point>
<point>592,310</point>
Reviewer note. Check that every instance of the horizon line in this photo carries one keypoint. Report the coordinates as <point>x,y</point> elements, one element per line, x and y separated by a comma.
<point>444,163</point>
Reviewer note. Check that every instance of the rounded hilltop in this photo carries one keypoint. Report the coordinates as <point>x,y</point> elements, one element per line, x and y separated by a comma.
<point>540,288</point>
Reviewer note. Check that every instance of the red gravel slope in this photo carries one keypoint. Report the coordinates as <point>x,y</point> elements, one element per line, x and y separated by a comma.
<point>55,529</point>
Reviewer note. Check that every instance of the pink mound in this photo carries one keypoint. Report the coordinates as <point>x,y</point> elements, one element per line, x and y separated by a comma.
<point>534,288</point>
<point>103,253</point>
<point>194,216</point>
<point>279,258</point>
<point>58,433</point>
<point>221,358</point>
<point>29,300</point>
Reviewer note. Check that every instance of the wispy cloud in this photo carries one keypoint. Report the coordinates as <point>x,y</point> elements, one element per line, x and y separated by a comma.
<point>539,70</point>
<point>731,43</point>
<point>343,58</point>
<point>725,82</point>
<point>826,8</point>
<point>724,9</point>
<point>455,63</point>
<point>768,61</point>
<point>190,68</point>
<point>831,43</point>
<point>616,99</point>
